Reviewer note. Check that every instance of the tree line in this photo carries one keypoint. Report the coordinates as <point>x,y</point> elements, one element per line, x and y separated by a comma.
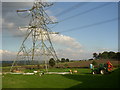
<point>107,55</point>
<point>52,62</point>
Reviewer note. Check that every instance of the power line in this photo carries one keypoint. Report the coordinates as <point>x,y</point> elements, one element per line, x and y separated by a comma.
<point>90,25</point>
<point>87,26</point>
<point>87,11</point>
<point>71,9</point>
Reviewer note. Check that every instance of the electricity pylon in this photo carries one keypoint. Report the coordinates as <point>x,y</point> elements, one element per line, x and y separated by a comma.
<point>37,44</point>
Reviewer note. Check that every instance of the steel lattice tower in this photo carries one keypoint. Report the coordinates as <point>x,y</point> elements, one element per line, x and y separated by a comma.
<point>37,44</point>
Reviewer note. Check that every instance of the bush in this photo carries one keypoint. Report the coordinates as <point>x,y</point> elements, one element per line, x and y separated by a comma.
<point>52,62</point>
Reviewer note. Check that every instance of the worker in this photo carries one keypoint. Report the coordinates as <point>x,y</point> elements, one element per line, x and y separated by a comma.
<point>109,66</point>
<point>91,66</point>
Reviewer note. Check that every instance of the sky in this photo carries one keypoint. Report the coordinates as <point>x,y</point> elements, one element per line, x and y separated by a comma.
<point>84,28</point>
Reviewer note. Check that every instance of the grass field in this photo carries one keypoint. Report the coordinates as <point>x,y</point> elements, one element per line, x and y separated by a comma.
<point>82,79</point>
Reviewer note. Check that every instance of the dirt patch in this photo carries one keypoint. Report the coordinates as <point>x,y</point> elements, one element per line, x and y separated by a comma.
<point>83,64</point>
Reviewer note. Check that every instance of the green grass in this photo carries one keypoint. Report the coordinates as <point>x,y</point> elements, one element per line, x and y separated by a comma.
<point>32,81</point>
<point>83,79</point>
<point>5,69</point>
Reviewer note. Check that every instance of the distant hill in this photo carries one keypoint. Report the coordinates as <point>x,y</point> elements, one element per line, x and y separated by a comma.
<point>9,63</point>
<point>6,61</point>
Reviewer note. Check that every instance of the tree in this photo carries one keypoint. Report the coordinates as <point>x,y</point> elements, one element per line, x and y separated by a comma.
<point>63,60</point>
<point>89,59</point>
<point>118,55</point>
<point>99,56</point>
<point>111,55</point>
<point>52,62</point>
<point>67,60</point>
<point>105,55</point>
<point>95,55</point>
<point>57,61</point>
